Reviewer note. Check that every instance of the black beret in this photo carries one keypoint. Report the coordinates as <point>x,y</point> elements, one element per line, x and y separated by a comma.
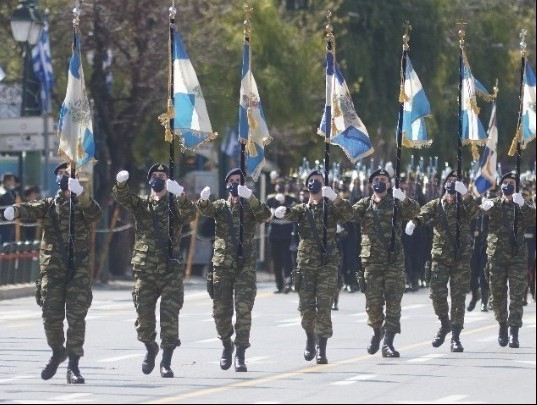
<point>508,175</point>
<point>157,167</point>
<point>60,167</point>
<point>231,173</point>
<point>452,173</point>
<point>379,172</point>
<point>314,173</point>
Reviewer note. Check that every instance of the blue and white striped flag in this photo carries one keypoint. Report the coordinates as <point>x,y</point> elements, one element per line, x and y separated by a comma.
<point>347,129</point>
<point>253,131</point>
<point>486,176</point>
<point>528,107</point>
<point>415,107</point>
<point>42,63</point>
<point>2,74</point>
<point>75,126</point>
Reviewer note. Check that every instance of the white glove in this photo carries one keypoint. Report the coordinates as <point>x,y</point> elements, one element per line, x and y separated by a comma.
<point>399,194</point>
<point>122,176</point>
<point>460,188</point>
<point>487,205</point>
<point>339,228</point>
<point>244,192</point>
<point>280,198</point>
<point>205,193</point>
<point>173,187</point>
<point>9,213</point>
<point>280,212</point>
<point>409,229</point>
<point>74,186</point>
<point>329,193</point>
<point>518,199</point>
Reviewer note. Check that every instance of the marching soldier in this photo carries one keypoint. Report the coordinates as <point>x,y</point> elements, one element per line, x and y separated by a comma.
<point>382,277</point>
<point>507,257</point>
<point>232,284</point>
<point>450,265</point>
<point>156,274</point>
<point>316,274</point>
<point>64,283</point>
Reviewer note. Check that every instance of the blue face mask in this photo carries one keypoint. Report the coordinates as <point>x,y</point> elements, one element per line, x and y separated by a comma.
<point>508,189</point>
<point>157,184</point>
<point>63,182</point>
<point>450,187</point>
<point>379,187</point>
<point>233,189</point>
<point>314,186</point>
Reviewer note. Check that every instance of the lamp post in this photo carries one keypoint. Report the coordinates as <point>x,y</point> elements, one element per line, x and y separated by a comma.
<point>26,26</point>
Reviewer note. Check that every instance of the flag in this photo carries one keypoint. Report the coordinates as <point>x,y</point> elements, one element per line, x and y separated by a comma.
<point>528,107</point>
<point>415,107</point>
<point>107,70</point>
<point>347,129</point>
<point>2,74</point>
<point>42,63</point>
<point>74,126</point>
<point>231,147</point>
<point>190,118</point>
<point>486,176</point>
<point>253,131</point>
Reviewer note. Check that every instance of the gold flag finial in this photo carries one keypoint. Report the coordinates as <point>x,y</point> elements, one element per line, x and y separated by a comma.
<point>461,32</point>
<point>247,24</point>
<point>329,28</point>
<point>495,90</point>
<point>407,27</point>
<point>523,44</point>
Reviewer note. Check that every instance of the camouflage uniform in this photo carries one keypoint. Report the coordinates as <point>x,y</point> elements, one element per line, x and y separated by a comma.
<point>155,275</point>
<point>61,294</point>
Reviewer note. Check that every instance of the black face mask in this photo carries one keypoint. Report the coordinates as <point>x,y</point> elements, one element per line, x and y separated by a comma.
<point>63,182</point>
<point>379,187</point>
<point>157,184</point>
<point>450,187</point>
<point>508,189</point>
<point>314,186</point>
<point>233,189</point>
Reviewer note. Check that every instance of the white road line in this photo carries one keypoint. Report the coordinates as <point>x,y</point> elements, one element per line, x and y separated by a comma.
<point>210,340</point>
<point>532,362</point>
<point>451,399</point>
<point>258,360</point>
<point>427,357</point>
<point>118,358</point>
<point>70,397</point>
<point>352,380</point>
<point>18,377</point>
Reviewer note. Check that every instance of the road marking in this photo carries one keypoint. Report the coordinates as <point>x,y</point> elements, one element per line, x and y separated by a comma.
<point>450,399</point>
<point>210,340</point>
<point>258,360</point>
<point>118,358</point>
<point>352,380</point>
<point>490,338</point>
<point>427,357</point>
<point>532,362</point>
<point>70,397</point>
<point>18,377</point>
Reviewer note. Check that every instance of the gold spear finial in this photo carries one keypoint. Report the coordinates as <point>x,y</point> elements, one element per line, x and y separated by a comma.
<point>407,27</point>
<point>247,24</point>
<point>523,44</point>
<point>495,90</point>
<point>76,14</point>
<point>461,32</point>
<point>329,28</point>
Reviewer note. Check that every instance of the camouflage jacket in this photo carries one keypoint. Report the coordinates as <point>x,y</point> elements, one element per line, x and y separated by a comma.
<point>442,217</point>
<point>151,224</point>
<point>226,242</point>
<point>501,219</point>
<point>375,220</point>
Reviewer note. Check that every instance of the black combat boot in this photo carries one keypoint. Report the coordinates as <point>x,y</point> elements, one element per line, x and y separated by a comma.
<point>321,350</point>
<point>73,373</point>
<point>440,336</point>
<point>58,357</point>
<point>375,341</point>
<point>513,337</point>
<point>456,345</point>
<point>503,337</point>
<point>240,366</point>
<point>475,297</point>
<point>227,353</point>
<point>165,363</point>
<point>309,351</point>
<point>485,301</point>
<point>387,346</point>
<point>149,360</point>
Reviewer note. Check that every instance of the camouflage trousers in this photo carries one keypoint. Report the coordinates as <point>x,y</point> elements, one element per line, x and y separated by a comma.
<point>508,277</point>
<point>385,285</point>
<point>234,289</point>
<point>63,297</point>
<point>148,287</point>
<point>457,274</point>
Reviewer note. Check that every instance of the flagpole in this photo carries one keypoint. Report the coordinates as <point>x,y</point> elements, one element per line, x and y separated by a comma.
<point>172,27</point>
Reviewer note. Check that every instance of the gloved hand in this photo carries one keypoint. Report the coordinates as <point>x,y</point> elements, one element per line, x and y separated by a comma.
<point>280,198</point>
<point>74,186</point>
<point>173,187</point>
<point>460,188</point>
<point>518,199</point>
<point>9,213</point>
<point>487,205</point>
<point>328,193</point>
<point>122,176</point>
<point>410,226</point>
<point>339,228</point>
<point>399,194</point>
<point>280,212</point>
<point>205,193</point>
<point>244,192</point>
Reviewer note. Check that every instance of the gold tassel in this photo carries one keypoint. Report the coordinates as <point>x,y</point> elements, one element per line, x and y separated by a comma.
<point>403,98</point>
<point>512,149</point>
<point>473,104</point>
<point>336,111</point>
<point>405,142</point>
<point>164,120</point>
<point>475,152</point>
<point>252,122</point>
<point>252,150</point>
<point>80,149</point>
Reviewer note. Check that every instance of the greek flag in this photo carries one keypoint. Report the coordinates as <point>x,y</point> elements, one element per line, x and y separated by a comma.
<point>486,176</point>
<point>346,129</point>
<point>42,63</point>
<point>2,74</point>
<point>74,126</point>
<point>231,147</point>
<point>253,131</point>
<point>415,107</point>
<point>528,107</point>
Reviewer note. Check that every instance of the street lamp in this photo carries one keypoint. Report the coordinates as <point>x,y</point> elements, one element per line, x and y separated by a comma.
<point>26,23</point>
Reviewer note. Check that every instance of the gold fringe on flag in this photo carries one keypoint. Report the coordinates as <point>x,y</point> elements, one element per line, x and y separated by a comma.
<point>516,139</point>
<point>252,150</point>
<point>164,120</point>
<point>475,152</point>
<point>403,98</point>
<point>252,123</point>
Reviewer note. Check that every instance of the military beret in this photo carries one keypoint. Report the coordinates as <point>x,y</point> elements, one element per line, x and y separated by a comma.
<point>313,173</point>
<point>508,175</point>
<point>452,173</point>
<point>60,167</point>
<point>231,173</point>
<point>157,167</point>
<point>379,172</point>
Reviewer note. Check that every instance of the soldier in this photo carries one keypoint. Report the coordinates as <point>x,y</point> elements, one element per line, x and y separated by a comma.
<point>382,277</point>
<point>316,274</point>
<point>232,284</point>
<point>156,274</point>
<point>64,283</point>
<point>507,257</point>
<point>450,264</point>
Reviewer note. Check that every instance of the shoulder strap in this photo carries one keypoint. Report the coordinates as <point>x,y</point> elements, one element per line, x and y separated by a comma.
<point>309,217</point>
<point>229,220</point>
<point>156,228</point>
<point>509,229</point>
<point>445,222</point>
<point>58,235</point>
